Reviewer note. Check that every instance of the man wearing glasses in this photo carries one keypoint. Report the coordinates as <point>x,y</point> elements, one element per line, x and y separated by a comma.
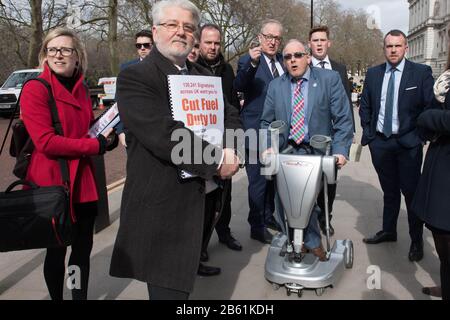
<point>144,44</point>
<point>255,71</point>
<point>161,221</point>
<point>312,101</point>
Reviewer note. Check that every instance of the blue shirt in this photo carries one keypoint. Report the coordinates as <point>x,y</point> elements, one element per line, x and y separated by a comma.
<point>304,91</point>
<point>398,78</point>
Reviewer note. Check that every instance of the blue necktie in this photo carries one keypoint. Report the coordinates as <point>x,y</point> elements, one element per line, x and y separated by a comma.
<point>389,105</point>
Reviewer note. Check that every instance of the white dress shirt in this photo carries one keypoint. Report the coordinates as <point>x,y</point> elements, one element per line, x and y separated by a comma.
<point>316,63</point>
<point>398,78</point>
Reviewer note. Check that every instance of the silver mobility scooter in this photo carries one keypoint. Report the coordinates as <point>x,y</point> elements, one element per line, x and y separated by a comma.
<point>298,180</point>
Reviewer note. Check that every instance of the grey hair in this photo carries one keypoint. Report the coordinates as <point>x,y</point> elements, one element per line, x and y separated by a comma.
<point>307,48</point>
<point>160,6</point>
<point>271,21</point>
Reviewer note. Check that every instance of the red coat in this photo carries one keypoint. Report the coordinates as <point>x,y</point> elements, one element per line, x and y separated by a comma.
<point>75,114</point>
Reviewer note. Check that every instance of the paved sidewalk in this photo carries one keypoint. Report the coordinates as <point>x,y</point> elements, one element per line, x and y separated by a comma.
<point>357,213</point>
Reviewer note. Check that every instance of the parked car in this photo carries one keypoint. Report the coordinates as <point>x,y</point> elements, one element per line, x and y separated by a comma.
<point>10,90</point>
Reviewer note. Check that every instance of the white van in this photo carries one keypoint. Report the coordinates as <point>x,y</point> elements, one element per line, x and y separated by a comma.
<point>10,91</point>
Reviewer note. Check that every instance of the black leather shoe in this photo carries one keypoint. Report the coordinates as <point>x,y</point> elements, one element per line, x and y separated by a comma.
<point>262,236</point>
<point>432,291</point>
<point>322,225</point>
<point>381,236</point>
<point>415,251</point>
<point>207,271</point>
<point>204,256</point>
<point>271,223</point>
<point>230,242</point>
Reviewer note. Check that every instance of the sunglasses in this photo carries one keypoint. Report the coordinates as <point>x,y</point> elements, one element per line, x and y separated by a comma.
<point>143,45</point>
<point>297,55</point>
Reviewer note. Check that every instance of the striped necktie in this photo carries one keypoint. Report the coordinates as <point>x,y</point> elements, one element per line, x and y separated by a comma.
<point>297,133</point>
<point>274,68</point>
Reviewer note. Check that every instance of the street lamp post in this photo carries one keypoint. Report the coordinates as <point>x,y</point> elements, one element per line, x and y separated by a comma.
<point>312,13</point>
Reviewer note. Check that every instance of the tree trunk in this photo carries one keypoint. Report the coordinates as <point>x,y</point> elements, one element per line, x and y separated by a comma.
<point>112,37</point>
<point>36,33</point>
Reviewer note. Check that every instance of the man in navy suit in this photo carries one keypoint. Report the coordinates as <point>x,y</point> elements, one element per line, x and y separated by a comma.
<point>394,95</point>
<point>144,44</point>
<point>256,69</point>
<point>312,101</point>
<point>319,42</point>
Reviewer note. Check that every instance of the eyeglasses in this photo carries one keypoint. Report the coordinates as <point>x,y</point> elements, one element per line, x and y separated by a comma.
<point>146,45</point>
<point>173,27</point>
<point>65,52</point>
<point>296,55</point>
<point>270,37</point>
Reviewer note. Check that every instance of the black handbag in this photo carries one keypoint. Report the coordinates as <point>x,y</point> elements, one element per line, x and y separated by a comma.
<point>38,217</point>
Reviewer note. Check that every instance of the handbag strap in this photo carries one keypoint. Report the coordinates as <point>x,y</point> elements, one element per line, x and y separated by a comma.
<point>58,128</point>
<point>64,166</point>
<point>32,185</point>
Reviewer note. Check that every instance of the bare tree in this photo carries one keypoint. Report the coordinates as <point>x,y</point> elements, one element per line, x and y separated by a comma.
<point>36,33</point>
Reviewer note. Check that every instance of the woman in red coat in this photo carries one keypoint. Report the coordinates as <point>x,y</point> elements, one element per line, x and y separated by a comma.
<point>63,59</point>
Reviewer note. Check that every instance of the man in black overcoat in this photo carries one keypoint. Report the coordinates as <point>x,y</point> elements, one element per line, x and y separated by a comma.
<point>161,221</point>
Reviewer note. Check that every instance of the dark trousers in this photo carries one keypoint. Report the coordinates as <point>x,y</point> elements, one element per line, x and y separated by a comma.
<point>211,209</point>
<point>54,265</point>
<point>159,293</point>
<point>398,170</point>
<point>321,201</point>
<point>261,194</point>
<point>223,225</point>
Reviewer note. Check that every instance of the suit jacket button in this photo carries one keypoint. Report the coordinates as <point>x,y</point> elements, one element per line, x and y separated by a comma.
<point>201,189</point>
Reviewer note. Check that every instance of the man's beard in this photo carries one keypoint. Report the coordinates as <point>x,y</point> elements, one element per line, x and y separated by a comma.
<point>177,53</point>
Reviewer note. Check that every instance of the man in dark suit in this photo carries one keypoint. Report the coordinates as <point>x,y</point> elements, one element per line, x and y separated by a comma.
<point>212,59</point>
<point>395,93</point>
<point>161,221</point>
<point>312,101</point>
<point>256,69</point>
<point>143,44</point>
<point>319,42</point>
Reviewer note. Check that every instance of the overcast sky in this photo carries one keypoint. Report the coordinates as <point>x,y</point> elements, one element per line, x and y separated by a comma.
<point>391,14</point>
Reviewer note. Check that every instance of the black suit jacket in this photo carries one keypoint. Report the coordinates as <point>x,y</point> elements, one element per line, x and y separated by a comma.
<point>161,219</point>
<point>415,94</point>
<point>342,70</point>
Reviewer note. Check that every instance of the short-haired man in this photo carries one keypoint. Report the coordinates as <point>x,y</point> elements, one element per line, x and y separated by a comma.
<point>313,102</point>
<point>161,220</point>
<point>256,70</point>
<point>395,93</point>
<point>144,44</point>
<point>319,42</point>
<point>211,58</point>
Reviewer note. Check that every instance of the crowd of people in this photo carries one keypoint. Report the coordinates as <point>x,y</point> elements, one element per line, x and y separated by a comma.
<point>166,223</point>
